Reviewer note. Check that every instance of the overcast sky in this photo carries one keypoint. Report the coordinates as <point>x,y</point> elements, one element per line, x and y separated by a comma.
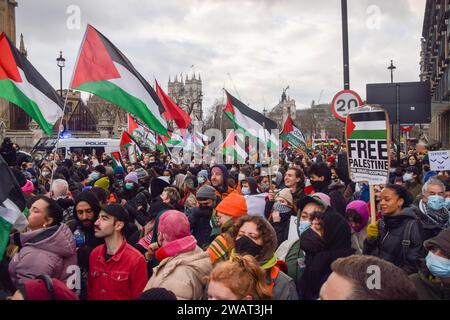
<point>264,46</point>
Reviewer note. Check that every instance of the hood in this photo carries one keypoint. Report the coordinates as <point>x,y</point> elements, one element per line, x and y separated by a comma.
<point>57,239</point>
<point>362,209</point>
<point>65,202</point>
<point>406,214</point>
<point>224,174</point>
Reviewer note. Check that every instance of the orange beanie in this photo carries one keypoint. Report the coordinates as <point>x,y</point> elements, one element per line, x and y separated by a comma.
<point>233,205</point>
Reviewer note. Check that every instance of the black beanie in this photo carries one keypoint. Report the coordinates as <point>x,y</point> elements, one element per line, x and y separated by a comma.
<point>101,169</point>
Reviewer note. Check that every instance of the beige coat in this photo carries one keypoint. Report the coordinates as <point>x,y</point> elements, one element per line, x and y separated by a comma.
<point>185,274</point>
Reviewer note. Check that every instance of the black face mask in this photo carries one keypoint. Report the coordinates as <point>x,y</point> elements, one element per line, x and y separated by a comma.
<point>318,185</point>
<point>245,245</point>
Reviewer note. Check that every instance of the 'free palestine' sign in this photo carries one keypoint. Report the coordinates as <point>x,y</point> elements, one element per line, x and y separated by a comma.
<point>367,145</point>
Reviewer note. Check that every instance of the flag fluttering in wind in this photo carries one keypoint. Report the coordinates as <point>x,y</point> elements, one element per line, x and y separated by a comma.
<point>251,122</point>
<point>102,69</point>
<point>232,149</point>
<point>23,85</point>
<point>172,110</point>
<point>140,133</point>
<point>292,135</point>
<point>13,209</point>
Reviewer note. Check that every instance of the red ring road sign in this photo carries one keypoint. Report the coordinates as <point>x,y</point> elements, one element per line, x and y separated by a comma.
<point>343,101</point>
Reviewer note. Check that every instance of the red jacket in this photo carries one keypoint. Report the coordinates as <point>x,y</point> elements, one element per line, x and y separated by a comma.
<point>123,277</point>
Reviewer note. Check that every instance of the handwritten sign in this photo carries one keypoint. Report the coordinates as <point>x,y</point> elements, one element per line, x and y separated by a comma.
<point>439,160</point>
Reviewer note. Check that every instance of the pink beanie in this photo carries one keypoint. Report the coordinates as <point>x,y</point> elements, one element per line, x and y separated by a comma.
<point>174,224</point>
<point>28,187</point>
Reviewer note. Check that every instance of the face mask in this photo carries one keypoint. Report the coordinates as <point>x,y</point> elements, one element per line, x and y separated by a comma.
<point>303,226</point>
<point>438,266</point>
<point>436,202</point>
<point>201,180</point>
<point>241,177</point>
<point>407,177</point>
<point>264,187</point>
<point>281,208</point>
<point>392,170</point>
<point>45,174</point>
<point>245,245</point>
<point>129,185</point>
<point>94,176</point>
<point>245,191</point>
<point>318,185</point>
<point>447,203</point>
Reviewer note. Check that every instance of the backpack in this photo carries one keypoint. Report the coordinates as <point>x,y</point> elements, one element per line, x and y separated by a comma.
<point>406,242</point>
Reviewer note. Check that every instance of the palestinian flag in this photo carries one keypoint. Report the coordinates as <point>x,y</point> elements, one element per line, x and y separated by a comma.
<point>233,150</point>
<point>13,209</point>
<point>291,135</point>
<point>251,122</point>
<point>366,125</point>
<point>140,133</point>
<point>116,159</point>
<point>23,85</point>
<point>172,110</point>
<point>103,70</point>
<point>125,140</point>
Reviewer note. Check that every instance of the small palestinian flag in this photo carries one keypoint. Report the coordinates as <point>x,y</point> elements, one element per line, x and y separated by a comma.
<point>232,149</point>
<point>13,209</point>
<point>102,69</point>
<point>22,84</point>
<point>291,135</point>
<point>366,125</point>
<point>116,159</point>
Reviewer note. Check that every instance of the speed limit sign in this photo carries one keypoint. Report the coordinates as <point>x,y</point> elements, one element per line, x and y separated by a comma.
<point>343,101</point>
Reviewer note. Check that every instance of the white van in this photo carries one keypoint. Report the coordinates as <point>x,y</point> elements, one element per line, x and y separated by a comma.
<point>77,145</point>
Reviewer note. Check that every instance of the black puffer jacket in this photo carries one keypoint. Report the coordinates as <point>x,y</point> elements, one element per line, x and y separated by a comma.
<point>391,233</point>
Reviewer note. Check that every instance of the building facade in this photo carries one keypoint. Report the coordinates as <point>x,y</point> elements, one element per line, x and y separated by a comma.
<point>188,95</point>
<point>434,67</point>
<point>280,112</point>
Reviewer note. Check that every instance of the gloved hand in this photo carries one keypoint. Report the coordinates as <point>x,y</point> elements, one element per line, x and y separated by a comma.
<point>372,231</point>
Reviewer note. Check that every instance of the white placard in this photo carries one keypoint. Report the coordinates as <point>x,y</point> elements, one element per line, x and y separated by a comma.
<point>439,160</point>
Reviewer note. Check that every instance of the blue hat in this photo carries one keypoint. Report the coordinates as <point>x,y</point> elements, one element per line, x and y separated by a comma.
<point>203,173</point>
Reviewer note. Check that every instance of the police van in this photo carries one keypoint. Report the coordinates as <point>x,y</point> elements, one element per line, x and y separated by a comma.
<point>86,146</point>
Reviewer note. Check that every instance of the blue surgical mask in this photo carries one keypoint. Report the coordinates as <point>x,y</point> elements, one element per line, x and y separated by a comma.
<point>94,176</point>
<point>129,185</point>
<point>407,177</point>
<point>438,266</point>
<point>436,202</point>
<point>201,180</point>
<point>245,191</point>
<point>303,226</point>
<point>447,203</point>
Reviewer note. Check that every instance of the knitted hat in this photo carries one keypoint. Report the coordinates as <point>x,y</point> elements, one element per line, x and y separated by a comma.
<point>132,177</point>
<point>102,183</point>
<point>157,294</point>
<point>203,173</point>
<point>441,241</point>
<point>101,169</point>
<point>206,192</point>
<point>286,195</point>
<point>234,205</point>
<point>141,173</point>
<point>174,224</point>
<point>36,289</point>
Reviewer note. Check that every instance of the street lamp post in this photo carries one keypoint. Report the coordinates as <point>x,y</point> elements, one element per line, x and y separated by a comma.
<point>392,68</point>
<point>61,64</point>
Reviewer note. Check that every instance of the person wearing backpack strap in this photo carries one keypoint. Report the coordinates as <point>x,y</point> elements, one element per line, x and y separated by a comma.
<point>398,235</point>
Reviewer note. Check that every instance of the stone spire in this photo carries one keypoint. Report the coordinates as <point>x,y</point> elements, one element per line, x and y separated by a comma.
<point>22,49</point>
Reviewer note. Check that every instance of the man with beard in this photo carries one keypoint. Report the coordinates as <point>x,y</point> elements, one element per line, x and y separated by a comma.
<point>200,218</point>
<point>86,211</point>
<point>219,180</point>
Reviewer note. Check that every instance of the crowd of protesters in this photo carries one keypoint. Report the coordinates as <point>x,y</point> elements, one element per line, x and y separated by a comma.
<point>159,230</point>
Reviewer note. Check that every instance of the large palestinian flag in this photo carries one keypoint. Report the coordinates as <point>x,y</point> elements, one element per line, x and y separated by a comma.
<point>22,84</point>
<point>251,122</point>
<point>13,209</point>
<point>366,125</point>
<point>102,69</point>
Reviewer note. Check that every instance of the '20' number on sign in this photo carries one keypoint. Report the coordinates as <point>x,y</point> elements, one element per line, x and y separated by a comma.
<point>344,107</point>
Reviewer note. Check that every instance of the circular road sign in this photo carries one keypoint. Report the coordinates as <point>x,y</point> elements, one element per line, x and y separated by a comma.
<point>343,101</point>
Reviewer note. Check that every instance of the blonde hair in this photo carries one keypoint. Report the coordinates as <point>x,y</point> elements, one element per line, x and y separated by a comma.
<point>243,276</point>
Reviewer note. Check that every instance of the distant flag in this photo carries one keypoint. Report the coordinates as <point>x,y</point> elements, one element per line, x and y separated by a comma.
<point>102,69</point>
<point>291,135</point>
<point>23,85</point>
<point>232,149</point>
<point>172,110</point>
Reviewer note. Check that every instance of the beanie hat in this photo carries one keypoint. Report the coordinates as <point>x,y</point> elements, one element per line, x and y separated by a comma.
<point>118,212</point>
<point>157,294</point>
<point>286,195</point>
<point>441,241</point>
<point>36,289</point>
<point>174,224</point>
<point>101,169</point>
<point>119,170</point>
<point>206,192</point>
<point>233,205</point>
<point>28,187</point>
<point>203,173</point>
<point>141,173</point>
<point>103,183</point>
<point>132,177</point>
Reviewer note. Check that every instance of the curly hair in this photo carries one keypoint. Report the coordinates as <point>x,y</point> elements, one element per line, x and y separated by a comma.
<point>266,231</point>
<point>243,276</point>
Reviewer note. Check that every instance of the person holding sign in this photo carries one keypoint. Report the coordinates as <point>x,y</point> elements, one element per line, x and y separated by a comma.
<point>398,236</point>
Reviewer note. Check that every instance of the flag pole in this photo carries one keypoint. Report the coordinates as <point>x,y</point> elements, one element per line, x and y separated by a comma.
<point>270,158</point>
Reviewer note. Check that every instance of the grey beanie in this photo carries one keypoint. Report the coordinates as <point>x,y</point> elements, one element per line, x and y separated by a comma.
<point>141,173</point>
<point>206,192</point>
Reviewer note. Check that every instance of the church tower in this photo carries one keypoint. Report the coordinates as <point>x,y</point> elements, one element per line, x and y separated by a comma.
<point>188,95</point>
<point>8,18</point>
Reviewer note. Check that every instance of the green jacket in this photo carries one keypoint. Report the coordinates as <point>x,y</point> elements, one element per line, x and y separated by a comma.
<point>428,289</point>
<point>415,188</point>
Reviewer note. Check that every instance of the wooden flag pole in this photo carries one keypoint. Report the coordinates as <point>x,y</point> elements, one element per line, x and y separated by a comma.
<point>372,205</point>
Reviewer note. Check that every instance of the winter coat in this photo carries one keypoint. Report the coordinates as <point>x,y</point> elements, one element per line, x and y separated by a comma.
<point>282,227</point>
<point>415,188</point>
<point>428,287</point>
<point>358,240</point>
<point>200,224</point>
<point>336,193</point>
<point>47,251</point>
<point>388,245</point>
<point>184,274</point>
<point>284,288</point>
